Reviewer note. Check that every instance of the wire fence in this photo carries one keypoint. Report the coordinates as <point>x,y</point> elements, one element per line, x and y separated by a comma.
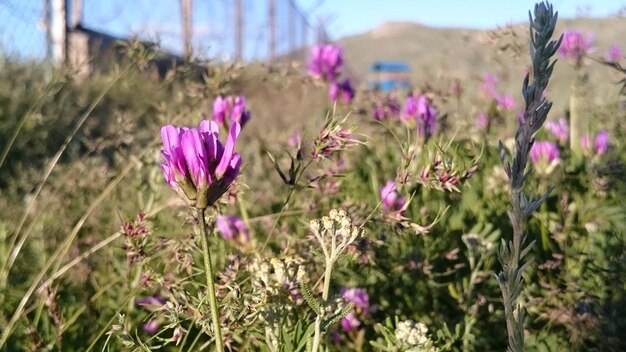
<point>226,30</point>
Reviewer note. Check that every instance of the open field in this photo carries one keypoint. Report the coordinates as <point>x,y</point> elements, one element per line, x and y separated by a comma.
<point>100,251</point>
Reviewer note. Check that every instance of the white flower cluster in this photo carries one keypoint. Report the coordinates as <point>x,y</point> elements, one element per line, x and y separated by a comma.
<point>277,275</point>
<point>414,336</point>
<point>335,233</point>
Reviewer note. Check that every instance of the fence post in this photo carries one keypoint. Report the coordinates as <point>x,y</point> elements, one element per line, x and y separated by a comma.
<point>185,6</point>
<point>58,31</point>
<point>272,29</point>
<point>239,30</point>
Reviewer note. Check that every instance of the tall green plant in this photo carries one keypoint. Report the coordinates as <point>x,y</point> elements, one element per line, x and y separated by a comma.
<point>511,254</point>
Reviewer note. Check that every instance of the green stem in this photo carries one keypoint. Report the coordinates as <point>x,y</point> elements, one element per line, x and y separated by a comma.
<point>318,321</point>
<point>208,269</point>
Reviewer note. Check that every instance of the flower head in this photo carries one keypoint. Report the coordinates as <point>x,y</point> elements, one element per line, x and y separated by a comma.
<point>358,297</point>
<point>545,155</point>
<point>230,109</point>
<point>295,140</point>
<point>391,201</point>
<point>482,121</point>
<point>601,142</point>
<point>326,62</point>
<point>341,89</point>
<point>386,108</point>
<point>151,326</point>
<point>585,142</point>
<point>489,86</point>
<point>350,322</point>
<point>506,102</point>
<point>614,54</point>
<point>559,129</point>
<point>575,44</point>
<point>417,108</point>
<point>232,228</point>
<point>197,165</point>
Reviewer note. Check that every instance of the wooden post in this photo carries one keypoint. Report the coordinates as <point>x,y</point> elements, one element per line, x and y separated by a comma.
<point>305,37</point>
<point>292,27</point>
<point>77,13</point>
<point>186,12</point>
<point>239,30</point>
<point>58,31</point>
<point>272,29</point>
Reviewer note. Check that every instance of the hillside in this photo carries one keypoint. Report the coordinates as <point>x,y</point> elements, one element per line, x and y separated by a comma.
<point>440,55</point>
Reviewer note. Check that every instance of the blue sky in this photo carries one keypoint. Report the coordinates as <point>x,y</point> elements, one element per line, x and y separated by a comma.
<point>344,18</point>
<point>21,29</point>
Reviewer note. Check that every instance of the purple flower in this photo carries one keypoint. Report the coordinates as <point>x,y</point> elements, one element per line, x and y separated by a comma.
<point>601,142</point>
<point>559,129</point>
<point>506,102</point>
<point>391,201</point>
<point>151,326</point>
<point>232,228</point>
<point>295,141</point>
<point>350,322</point>
<point>482,121</point>
<point>575,44</point>
<point>343,89</point>
<point>418,108</point>
<point>614,54</point>
<point>386,108</point>
<point>585,142</point>
<point>361,301</point>
<point>197,165</point>
<point>326,62</point>
<point>489,87</point>
<point>230,109</point>
<point>358,297</point>
<point>150,301</point>
<point>544,152</point>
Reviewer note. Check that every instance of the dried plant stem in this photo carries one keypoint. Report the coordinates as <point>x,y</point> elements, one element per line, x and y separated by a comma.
<point>576,98</point>
<point>210,282</point>
<point>318,321</point>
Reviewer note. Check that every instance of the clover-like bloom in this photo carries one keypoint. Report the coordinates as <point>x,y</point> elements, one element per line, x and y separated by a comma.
<point>506,102</point>
<point>601,142</point>
<point>482,121</point>
<point>343,89</point>
<point>350,322</point>
<point>417,108</point>
<point>392,202</point>
<point>614,54</point>
<point>585,142</point>
<point>232,228</point>
<point>151,326</point>
<point>358,297</point>
<point>326,62</point>
<point>230,109</point>
<point>575,44</point>
<point>361,301</point>
<point>544,152</point>
<point>489,86</point>
<point>387,107</point>
<point>197,166</point>
<point>559,129</point>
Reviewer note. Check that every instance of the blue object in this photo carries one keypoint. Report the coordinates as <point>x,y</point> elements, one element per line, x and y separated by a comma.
<point>389,75</point>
